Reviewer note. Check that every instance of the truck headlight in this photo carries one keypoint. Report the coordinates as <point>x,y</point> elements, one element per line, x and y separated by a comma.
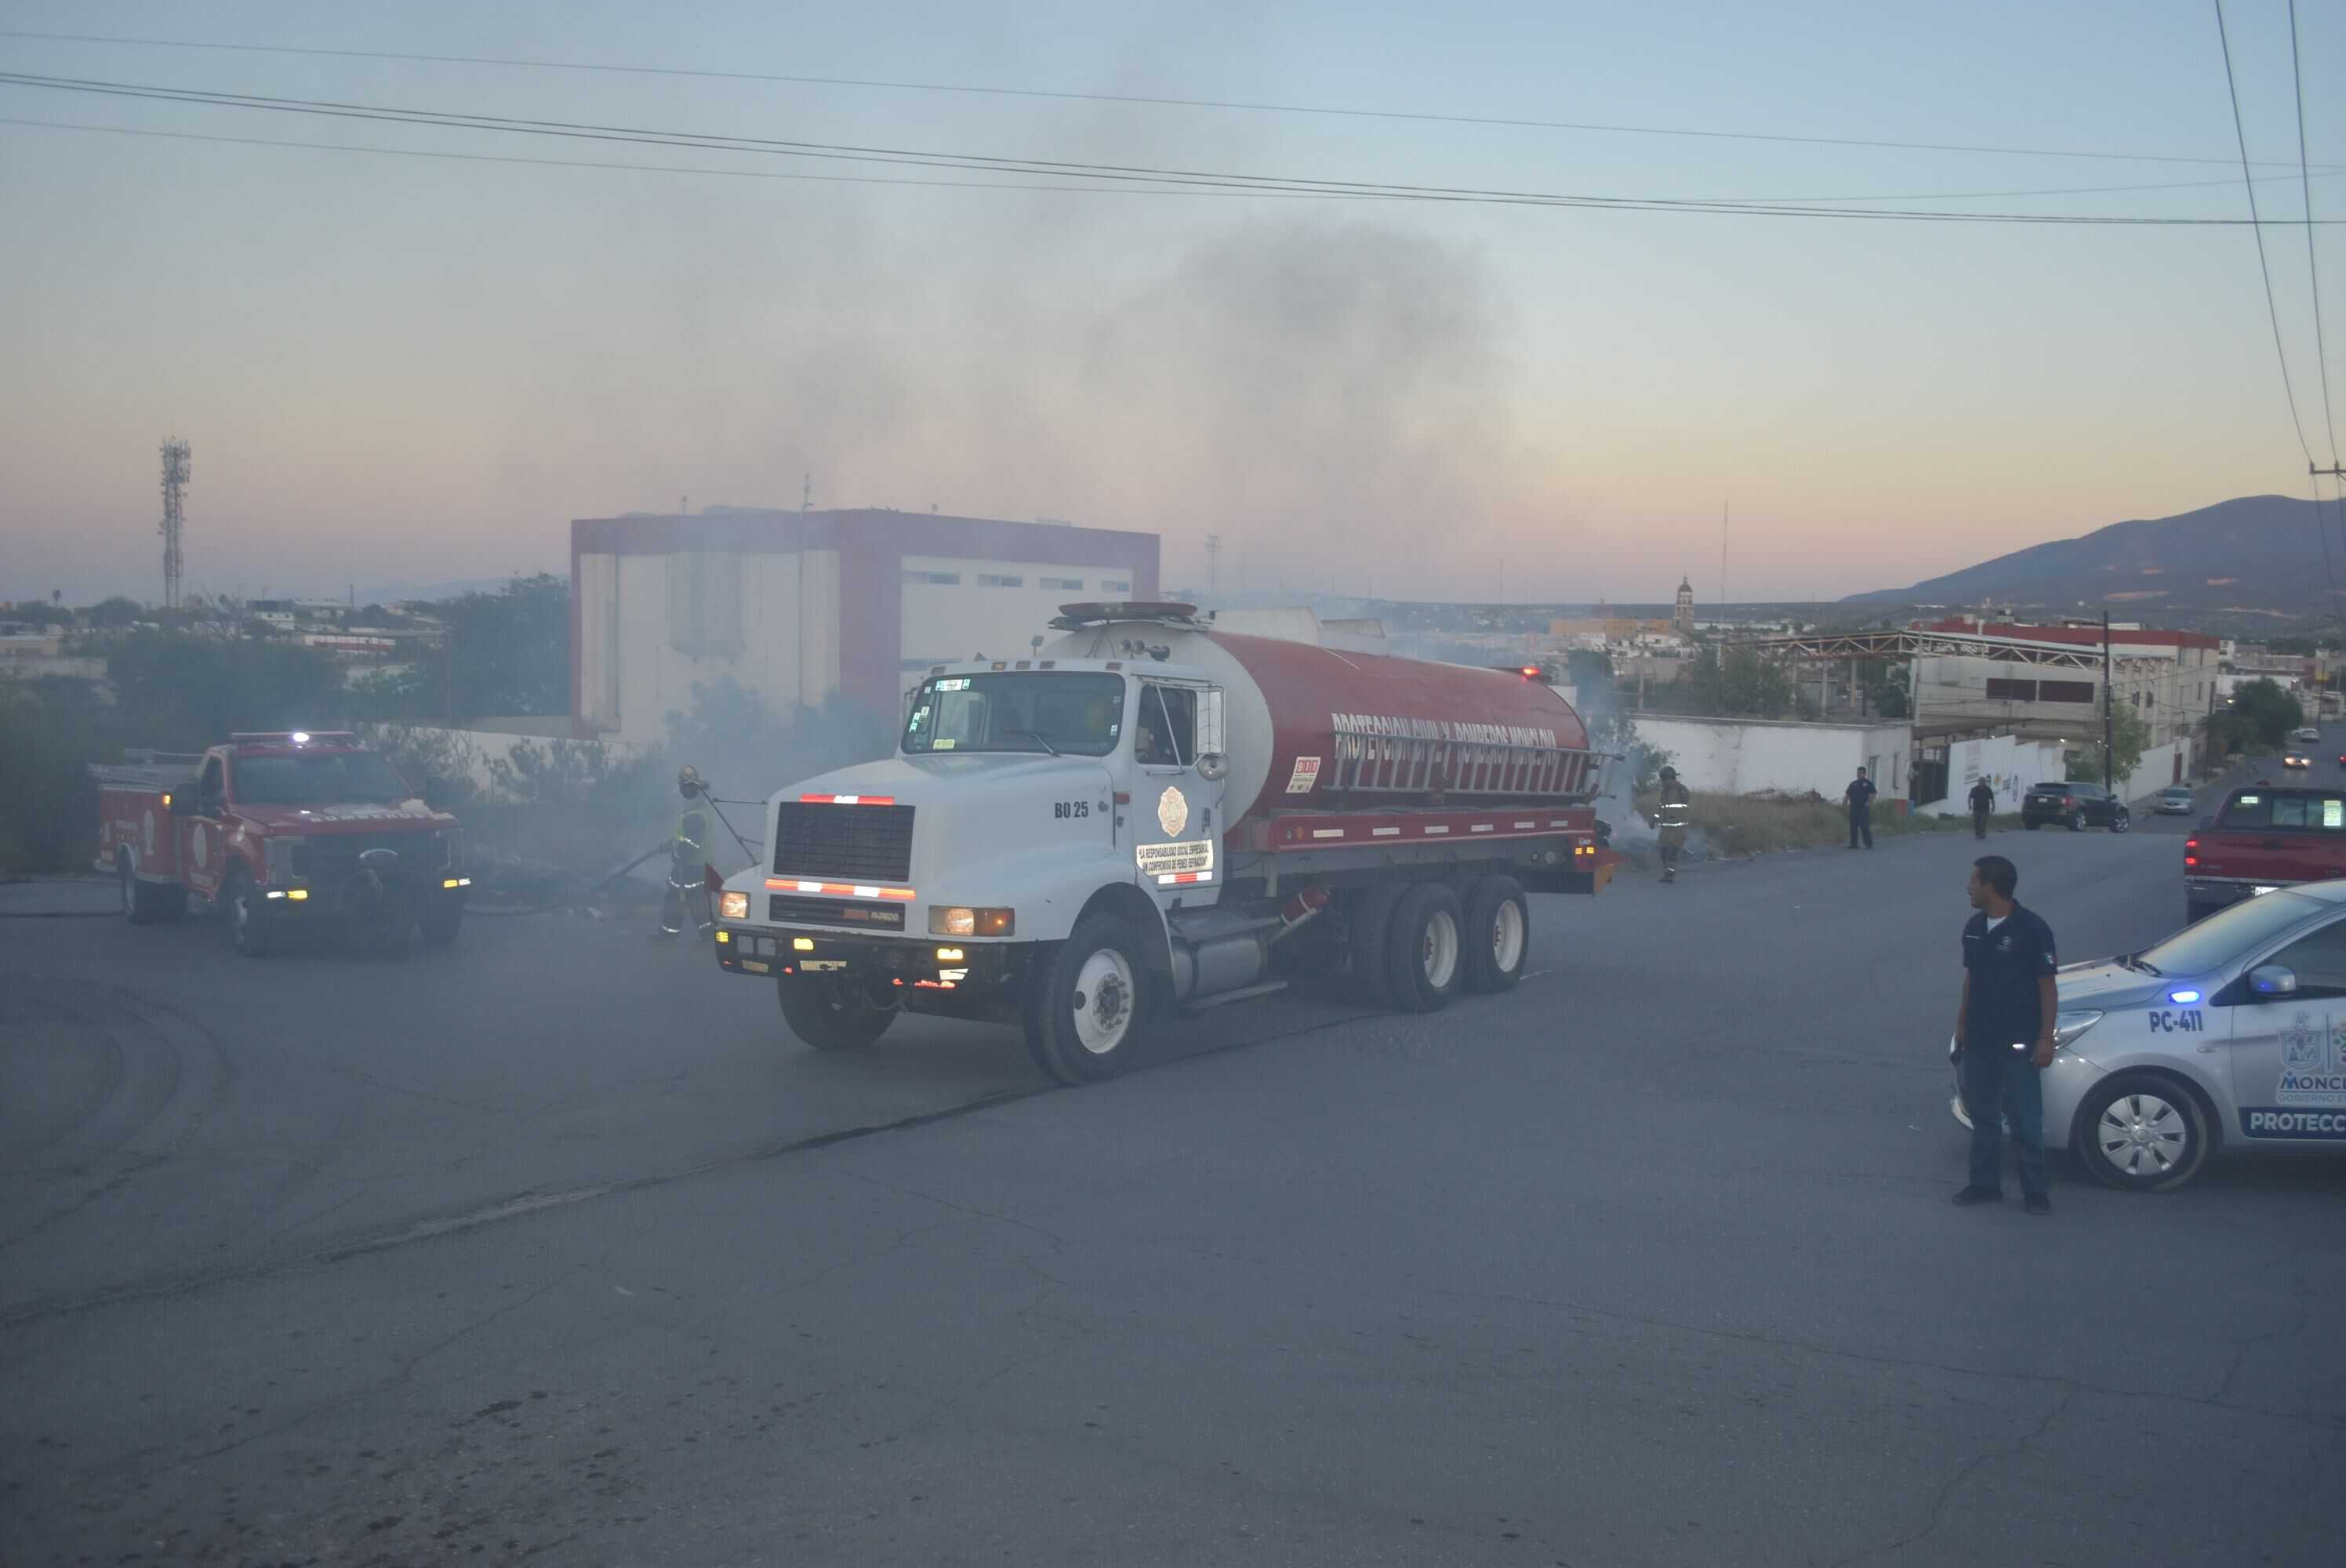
<point>954,920</point>
<point>282,857</point>
<point>733,906</point>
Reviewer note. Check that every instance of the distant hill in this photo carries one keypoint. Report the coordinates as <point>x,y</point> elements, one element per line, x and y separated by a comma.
<point>2261,552</point>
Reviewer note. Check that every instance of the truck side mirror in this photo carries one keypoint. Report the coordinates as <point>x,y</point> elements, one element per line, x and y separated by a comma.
<point>435,792</point>
<point>1212,766</point>
<point>182,803</point>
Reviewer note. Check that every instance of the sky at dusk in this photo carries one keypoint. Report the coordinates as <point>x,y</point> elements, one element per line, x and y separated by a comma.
<point>418,369</point>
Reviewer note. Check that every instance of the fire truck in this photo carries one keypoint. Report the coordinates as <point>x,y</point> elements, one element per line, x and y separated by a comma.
<point>1150,818</point>
<point>278,831</point>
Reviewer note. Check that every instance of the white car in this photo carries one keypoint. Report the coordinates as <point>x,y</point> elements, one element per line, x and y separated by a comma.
<point>2310,732</point>
<point>2174,800</point>
<point>2230,1031</point>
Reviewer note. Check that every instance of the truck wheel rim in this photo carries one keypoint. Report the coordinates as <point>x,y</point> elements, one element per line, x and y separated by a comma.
<point>1103,1002</point>
<point>1439,951</point>
<point>2143,1135</point>
<point>1507,936</point>
<point>130,905</point>
<point>239,914</point>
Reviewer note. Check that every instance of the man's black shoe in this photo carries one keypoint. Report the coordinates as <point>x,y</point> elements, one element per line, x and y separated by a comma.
<point>2038,1203</point>
<point>1971,1195</point>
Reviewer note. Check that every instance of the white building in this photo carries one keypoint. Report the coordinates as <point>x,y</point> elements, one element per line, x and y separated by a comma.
<point>797,605</point>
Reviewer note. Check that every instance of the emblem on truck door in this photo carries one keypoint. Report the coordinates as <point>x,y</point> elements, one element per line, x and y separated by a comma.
<point>1172,811</point>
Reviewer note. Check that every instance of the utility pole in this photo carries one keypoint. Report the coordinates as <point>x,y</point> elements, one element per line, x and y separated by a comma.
<point>2110,717</point>
<point>1213,563</point>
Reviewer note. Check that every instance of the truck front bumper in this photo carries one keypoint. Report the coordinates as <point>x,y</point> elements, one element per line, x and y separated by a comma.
<point>915,969</point>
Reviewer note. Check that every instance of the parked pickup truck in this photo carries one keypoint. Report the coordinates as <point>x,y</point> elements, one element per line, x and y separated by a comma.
<point>279,830</point>
<point>2265,837</point>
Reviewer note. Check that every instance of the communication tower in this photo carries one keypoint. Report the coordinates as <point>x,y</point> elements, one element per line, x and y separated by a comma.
<point>175,516</point>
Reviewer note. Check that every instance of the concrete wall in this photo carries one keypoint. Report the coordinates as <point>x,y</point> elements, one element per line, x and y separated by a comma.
<point>1747,756</point>
<point>2008,763</point>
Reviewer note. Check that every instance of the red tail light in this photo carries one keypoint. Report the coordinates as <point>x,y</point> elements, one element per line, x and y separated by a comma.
<point>2191,851</point>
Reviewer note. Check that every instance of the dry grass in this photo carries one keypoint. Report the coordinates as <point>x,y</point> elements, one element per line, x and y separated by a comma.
<point>1731,825</point>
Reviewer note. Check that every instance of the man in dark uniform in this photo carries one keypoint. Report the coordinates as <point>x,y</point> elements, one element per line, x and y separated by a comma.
<point>1672,815</point>
<point>1860,797</point>
<point>1983,803</point>
<point>2003,1034</point>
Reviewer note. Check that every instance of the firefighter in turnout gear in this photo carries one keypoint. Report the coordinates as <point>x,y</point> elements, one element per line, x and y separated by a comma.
<point>1671,815</point>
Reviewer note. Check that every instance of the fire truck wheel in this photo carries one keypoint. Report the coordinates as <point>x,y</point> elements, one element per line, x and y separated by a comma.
<point>1423,967</point>
<point>247,913</point>
<point>1087,1015</point>
<point>832,1015</point>
<point>1371,927</point>
<point>441,919</point>
<point>1498,934</point>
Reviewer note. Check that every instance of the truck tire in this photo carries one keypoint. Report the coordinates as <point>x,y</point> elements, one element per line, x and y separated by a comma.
<point>1086,1014</point>
<point>831,1015</point>
<point>1497,934</point>
<point>1424,951</point>
<point>440,920</point>
<point>1370,926</point>
<point>2123,821</point>
<point>147,903</point>
<point>246,914</point>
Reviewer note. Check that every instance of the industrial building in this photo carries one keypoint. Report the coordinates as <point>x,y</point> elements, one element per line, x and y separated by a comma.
<point>796,606</point>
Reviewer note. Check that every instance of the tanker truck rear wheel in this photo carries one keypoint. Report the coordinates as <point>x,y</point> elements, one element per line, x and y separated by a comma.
<point>831,1013</point>
<point>1086,1014</point>
<point>1498,934</point>
<point>1425,962</point>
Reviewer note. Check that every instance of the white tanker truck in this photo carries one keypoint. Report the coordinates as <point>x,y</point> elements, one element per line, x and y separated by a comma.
<point>1149,817</point>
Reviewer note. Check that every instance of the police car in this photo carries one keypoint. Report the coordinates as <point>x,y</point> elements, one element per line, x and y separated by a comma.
<point>2230,1031</point>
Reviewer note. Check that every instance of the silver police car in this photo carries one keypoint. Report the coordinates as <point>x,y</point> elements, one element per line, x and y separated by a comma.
<point>2230,1031</point>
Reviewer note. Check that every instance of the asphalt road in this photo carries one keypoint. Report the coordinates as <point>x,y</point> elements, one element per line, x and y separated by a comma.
<point>553,1245</point>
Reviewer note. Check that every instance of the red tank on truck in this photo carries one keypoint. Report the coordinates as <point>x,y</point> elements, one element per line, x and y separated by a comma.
<point>1150,818</point>
<point>278,831</point>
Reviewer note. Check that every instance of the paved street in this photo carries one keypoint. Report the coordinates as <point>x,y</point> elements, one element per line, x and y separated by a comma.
<point>554,1244</point>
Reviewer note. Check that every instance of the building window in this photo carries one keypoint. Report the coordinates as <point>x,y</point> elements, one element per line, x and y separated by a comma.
<point>2000,690</point>
<point>940,579</point>
<point>2065,691</point>
<point>1108,586</point>
<point>1067,584</point>
<point>996,580</point>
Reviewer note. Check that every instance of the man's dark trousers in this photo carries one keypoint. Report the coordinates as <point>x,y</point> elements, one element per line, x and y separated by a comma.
<point>2000,1084</point>
<point>1861,823</point>
<point>1979,821</point>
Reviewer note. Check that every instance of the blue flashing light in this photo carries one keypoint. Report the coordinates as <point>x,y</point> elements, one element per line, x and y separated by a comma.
<point>2183,998</point>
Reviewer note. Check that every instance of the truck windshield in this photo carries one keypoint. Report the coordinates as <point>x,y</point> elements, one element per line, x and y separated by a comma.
<point>1070,713</point>
<point>317,778</point>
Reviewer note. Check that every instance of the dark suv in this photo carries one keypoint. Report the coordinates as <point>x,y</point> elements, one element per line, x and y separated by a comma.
<point>2076,807</point>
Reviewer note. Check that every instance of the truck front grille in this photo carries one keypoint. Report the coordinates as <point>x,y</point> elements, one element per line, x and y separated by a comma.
<point>332,856</point>
<point>785,911</point>
<point>846,843</point>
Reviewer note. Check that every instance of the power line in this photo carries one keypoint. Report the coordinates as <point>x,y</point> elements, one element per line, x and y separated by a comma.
<point>1065,169</point>
<point>2313,272</point>
<point>971,184</point>
<point>2264,270</point>
<point>1144,99</point>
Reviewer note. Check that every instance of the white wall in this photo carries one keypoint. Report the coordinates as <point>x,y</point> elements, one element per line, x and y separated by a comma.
<point>632,675</point>
<point>2008,763</point>
<point>1745,756</point>
<point>945,622</point>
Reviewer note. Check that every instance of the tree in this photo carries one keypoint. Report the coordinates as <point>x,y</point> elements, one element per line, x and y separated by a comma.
<point>507,652</point>
<point>2264,713</point>
<point>2130,737</point>
<point>1735,684</point>
<point>114,613</point>
<point>178,692</point>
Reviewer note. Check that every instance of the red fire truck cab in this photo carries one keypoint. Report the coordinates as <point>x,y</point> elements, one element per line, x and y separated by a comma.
<point>280,830</point>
